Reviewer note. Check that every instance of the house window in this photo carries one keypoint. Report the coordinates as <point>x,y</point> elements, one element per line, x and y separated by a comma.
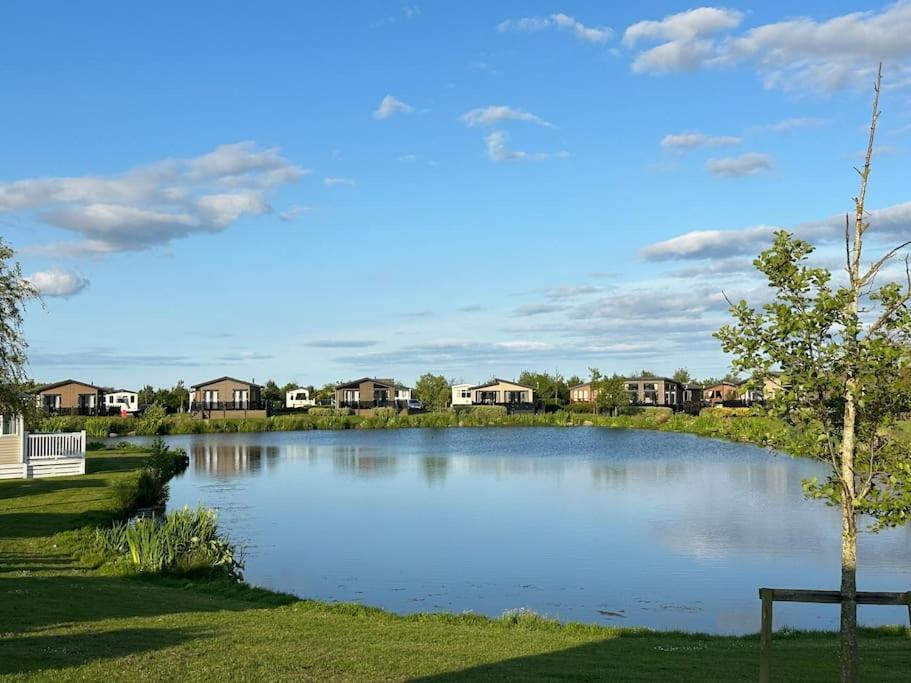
<point>8,425</point>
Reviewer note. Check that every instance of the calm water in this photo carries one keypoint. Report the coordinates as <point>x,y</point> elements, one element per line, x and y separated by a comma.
<point>604,526</point>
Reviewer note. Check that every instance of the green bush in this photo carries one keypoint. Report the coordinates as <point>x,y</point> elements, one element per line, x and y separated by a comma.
<point>144,489</point>
<point>324,411</point>
<point>152,421</point>
<point>164,462</point>
<point>579,408</point>
<point>181,542</point>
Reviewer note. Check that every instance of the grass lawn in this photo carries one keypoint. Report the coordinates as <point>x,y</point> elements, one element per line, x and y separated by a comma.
<point>63,620</point>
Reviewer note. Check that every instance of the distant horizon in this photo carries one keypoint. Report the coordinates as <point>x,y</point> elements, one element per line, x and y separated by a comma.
<point>312,193</point>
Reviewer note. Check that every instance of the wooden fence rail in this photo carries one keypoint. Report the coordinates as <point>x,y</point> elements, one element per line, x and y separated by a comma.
<point>770,595</point>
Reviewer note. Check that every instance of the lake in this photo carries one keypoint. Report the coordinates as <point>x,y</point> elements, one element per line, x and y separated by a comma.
<point>630,528</point>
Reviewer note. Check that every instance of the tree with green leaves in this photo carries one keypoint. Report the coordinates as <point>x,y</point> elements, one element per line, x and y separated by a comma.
<point>433,391</point>
<point>549,388</point>
<point>608,393</point>
<point>15,292</point>
<point>683,376</point>
<point>272,392</point>
<point>840,349</point>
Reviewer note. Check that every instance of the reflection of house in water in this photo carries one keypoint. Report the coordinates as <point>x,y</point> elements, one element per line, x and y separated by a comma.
<point>362,461</point>
<point>231,459</point>
<point>434,468</point>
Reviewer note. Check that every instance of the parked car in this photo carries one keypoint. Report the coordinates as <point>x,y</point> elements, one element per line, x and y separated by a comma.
<point>414,404</point>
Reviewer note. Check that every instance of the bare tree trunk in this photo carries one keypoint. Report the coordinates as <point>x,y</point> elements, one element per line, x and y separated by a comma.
<point>849,653</point>
<point>854,252</point>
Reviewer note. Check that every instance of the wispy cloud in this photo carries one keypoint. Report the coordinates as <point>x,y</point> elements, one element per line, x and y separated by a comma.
<point>390,106</point>
<point>747,164</point>
<point>340,343</point>
<point>560,22</point>
<point>790,125</point>
<point>682,142</point>
<point>150,206</point>
<point>292,213</point>
<point>490,116</point>
<point>497,150</point>
<point>538,309</point>
<point>338,182</point>
<point>62,282</point>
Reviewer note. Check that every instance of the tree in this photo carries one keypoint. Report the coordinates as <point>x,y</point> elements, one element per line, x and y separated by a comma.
<point>683,376</point>
<point>433,391</point>
<point>15,292</point>
<point>549,388</point>
<point>646,373</point>
<point>840,350</point>
<point>271,392</point>
<point>146,395</point>
<point>608,393</point>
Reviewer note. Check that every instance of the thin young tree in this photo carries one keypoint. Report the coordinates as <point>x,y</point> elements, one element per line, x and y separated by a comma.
<point>841,350</point>
<point>15,291</point>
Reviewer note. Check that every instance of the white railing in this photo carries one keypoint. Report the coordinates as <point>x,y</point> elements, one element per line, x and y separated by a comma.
<point>46,446</point>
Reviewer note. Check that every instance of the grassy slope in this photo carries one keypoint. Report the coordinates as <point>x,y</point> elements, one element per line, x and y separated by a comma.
<point>60,620</point>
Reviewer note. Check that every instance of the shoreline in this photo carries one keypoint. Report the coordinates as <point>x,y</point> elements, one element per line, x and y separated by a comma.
<point>725,424</point>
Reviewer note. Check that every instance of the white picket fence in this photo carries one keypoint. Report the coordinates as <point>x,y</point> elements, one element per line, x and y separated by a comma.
<point>48,446</point>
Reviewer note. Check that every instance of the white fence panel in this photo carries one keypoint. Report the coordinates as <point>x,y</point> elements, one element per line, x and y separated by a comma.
<point>47,446</point>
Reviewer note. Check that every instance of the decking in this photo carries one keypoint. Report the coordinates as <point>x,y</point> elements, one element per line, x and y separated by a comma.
<point>34,456</point>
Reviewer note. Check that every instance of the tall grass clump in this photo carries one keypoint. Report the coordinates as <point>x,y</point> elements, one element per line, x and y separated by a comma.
<point>181,542</point>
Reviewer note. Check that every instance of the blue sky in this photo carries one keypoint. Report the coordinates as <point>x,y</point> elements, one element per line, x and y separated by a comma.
<point>316,192</point>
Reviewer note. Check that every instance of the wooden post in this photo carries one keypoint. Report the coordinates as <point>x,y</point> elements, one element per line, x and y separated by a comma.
<point>765,637</point>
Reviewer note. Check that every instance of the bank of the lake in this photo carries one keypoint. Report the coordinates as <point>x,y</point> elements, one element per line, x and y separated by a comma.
<point>734,425</point>
<point>65,619</point>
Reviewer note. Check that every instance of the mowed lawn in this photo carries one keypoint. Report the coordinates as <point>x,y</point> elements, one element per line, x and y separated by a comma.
<point>62,620</point>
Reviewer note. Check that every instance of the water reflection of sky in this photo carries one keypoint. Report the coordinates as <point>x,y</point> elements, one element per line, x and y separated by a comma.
<point>666,530</point>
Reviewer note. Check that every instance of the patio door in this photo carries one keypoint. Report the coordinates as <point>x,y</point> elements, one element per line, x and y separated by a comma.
<point>241,398</point>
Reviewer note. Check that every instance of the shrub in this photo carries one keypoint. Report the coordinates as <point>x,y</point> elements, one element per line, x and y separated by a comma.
<point>579,408</point>
<point>144,489</point>
<point>325,412</point>
<point>152,420</point>
<point>181,542</point>
<point>164,462</point>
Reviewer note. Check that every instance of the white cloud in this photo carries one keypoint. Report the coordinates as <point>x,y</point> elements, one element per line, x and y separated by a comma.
<point>152,205</point>
<point>693,140</point>
<point>794,54</point>
<point>750,163</point>
<point>538,309</point>
<point>389,106</point>
<point>292,213</point>
<point>562,22</point>
<point>688,25</point>
<point>789,125</point>
<point>571,292</point>
<point>58,282</point>
<point>489,116</point>
<point>336,182</point>
<point>890,223</point>
<point>711,244</point>
<point>498,151</point>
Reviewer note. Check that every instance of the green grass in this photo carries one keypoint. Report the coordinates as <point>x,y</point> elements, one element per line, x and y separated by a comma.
<point>62,619</point>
